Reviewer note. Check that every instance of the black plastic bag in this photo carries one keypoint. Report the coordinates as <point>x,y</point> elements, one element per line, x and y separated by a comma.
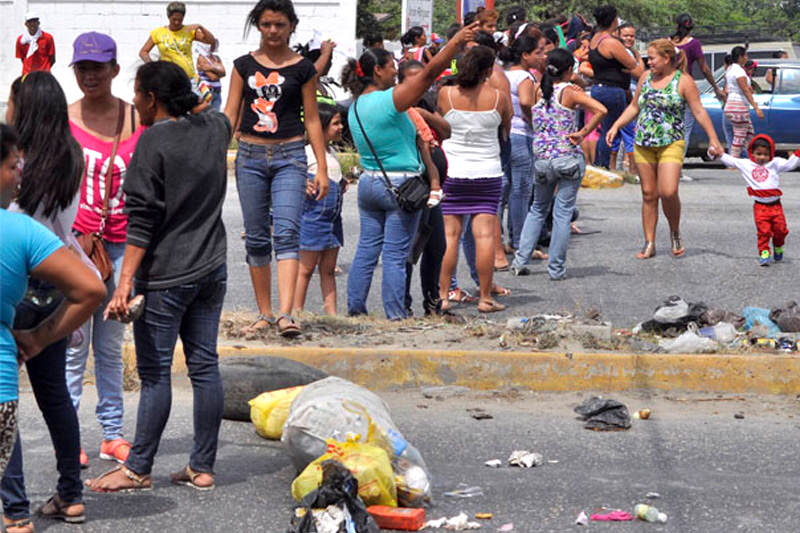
<point>603,414</point>
<point>339,487</point>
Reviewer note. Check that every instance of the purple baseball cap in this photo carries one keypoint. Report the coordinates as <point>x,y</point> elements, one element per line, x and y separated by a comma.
<point>94,46</point>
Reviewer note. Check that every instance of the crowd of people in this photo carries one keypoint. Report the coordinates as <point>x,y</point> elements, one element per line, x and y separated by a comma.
<point>112,211</point>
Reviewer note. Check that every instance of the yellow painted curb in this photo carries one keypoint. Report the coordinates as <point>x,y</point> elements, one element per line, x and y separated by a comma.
<point>388,369</point>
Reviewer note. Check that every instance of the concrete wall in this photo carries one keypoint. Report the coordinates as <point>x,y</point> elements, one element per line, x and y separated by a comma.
<point>130,21</point>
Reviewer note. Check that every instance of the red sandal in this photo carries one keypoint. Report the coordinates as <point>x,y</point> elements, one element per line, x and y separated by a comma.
<point>115,450</point>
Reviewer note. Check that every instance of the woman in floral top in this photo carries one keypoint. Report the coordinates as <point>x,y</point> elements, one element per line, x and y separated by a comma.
<point>559,160</point>
<point>660,102</point>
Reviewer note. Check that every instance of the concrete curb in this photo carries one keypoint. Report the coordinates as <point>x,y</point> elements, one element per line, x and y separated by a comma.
<point>396,369</point>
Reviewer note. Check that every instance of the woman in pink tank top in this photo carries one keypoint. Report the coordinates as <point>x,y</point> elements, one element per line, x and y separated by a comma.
<point>93,121</point>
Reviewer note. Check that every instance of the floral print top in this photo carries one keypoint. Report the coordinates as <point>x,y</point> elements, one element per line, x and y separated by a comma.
<point>551,125</point>
<point>660,114</point>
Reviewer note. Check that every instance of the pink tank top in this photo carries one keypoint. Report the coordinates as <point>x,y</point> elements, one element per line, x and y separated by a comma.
<point>97,153</point>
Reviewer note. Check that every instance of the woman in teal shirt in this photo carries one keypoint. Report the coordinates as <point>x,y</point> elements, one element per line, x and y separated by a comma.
<point>386,229</point>
<point>27,248</point>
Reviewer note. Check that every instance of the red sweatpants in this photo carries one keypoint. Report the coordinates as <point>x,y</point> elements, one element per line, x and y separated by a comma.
<point>770,224</point>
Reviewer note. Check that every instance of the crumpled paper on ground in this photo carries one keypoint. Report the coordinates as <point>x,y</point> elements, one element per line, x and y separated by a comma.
<point>457,523</point>
<point>494,463</point>
<point>525,459</point>
<point>331,519</point>
<point>582,520</point>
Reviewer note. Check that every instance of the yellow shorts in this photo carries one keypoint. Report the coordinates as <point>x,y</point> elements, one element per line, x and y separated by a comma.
<point>671,153</point>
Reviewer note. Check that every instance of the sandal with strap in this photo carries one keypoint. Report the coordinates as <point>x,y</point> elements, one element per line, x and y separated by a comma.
<point>187,478</point>
<point>57,510</point>
<point>290,330</point>
<point>461,296</point>
<point>139,483</point>
<point>490,306</point>
<point>248,330</point>
<point>677,245</point>
<point>435,198</point>
<point>22,525</point>
<point>648,251</point>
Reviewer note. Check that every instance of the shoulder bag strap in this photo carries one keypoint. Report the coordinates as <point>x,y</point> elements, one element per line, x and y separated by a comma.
<point>110,170</point>
<point>372,148</point>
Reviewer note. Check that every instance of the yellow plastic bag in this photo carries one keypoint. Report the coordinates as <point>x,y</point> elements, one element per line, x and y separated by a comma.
<point>269,411</point>
<point>369,464</point>
<point>600,178</point>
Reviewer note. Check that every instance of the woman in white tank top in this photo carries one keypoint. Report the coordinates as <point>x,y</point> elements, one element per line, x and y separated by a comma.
<point>475,175</point>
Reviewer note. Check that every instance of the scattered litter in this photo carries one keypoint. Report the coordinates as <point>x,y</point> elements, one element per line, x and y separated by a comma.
<point>613,516</point>
<point>689,342</point>
<point>652,495</point>
<point>553,461</point>
<point>672,317</point>
<point>721,332</point>
<point>756,316</point>
<point>398,518</point>
<point>582,520</point>
<point>479,414</point>
<point>787,345</point>
<point>715,316</point>
<point>494,463</point>
<point>456,523</point>
<point>739,416</point>
<point>339,489</point>
<point>525,459</point>
<point>765,342</point>
<point>642,414</point>
<point>483,516</point>
<point>787,317</point>
<point>648,513</point>
<point>506,527</point>
<point>463,491</point>
<point>604,414</point>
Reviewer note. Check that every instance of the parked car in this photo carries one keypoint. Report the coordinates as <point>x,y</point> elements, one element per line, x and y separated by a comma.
<point>780,102</point>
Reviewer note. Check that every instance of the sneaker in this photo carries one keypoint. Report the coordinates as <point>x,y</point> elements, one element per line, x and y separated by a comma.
<point>686,178</point>
<point>115,450</point>
<point>763,259</point>
<point>778,254</point>
<point>84,460</point>
<point>520,271</point>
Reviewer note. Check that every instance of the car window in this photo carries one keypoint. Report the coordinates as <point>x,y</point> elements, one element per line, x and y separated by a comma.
<point>790,81</point>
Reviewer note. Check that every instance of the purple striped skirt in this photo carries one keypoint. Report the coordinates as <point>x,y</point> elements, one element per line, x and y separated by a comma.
<point>464,196</point>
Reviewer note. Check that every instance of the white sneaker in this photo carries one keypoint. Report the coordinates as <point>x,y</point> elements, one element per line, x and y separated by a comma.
<point>686,177</point>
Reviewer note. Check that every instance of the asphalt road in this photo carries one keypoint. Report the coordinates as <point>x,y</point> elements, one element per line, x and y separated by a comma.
<point>720,266</point>
<point>713,472</point>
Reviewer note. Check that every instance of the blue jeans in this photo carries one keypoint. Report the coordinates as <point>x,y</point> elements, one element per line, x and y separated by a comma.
<point>565,192</point>
<point>385,229</point>
<point>216,98</point>
<point>521,185</point>
<point>106,338</point>
<point>614,100</point>
<point>727,129</point>
<point>191,310</point>
<point>688,125</point>
<point>271,179</point>
<point>46,373</point>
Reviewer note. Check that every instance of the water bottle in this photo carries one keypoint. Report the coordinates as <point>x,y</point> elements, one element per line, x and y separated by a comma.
<point>516,323</point>
<point>648,513</point>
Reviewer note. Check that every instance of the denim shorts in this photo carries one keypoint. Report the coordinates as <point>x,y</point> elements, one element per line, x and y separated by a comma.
<point>321,227</point>
<point>271,179</point>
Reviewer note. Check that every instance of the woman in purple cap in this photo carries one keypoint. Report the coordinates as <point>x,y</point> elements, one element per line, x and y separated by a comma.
<point>107,128</point>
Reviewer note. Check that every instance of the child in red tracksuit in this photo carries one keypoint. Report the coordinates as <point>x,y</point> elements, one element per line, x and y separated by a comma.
<point>762,174</point>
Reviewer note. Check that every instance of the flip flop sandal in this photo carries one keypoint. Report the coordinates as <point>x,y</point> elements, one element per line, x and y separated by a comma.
<point>494,307</point>
<point>186,478</point>
<point>109,452</point>
<point>461,296</point>
<point>502,268</point>
<point>271,321</point>
<point>23,525</point>
<point>291,330</point>
<point>140,483</point>
<point>501,291</point>
<point>539,255</point>
<point>435,198</point>
<point>59,512</point>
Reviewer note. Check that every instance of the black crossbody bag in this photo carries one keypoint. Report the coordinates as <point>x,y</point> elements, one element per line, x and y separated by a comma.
<point>413,194</point>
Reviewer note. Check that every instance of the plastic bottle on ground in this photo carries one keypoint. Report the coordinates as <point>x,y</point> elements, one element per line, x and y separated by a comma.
<point>648,513</point>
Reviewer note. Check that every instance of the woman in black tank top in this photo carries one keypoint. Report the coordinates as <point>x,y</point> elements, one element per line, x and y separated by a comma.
<point>613,67</point>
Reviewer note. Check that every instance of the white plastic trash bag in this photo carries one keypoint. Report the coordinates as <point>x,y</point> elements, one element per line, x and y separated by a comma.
<point>690,342</point>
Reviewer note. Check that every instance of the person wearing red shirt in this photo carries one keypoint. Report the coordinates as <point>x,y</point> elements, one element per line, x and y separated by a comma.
<point>36,49</point>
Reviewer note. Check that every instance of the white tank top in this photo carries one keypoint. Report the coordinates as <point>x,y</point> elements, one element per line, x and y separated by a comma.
<point>473,149</point>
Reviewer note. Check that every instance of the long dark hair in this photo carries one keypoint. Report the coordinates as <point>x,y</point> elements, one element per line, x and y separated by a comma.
<point>559,61</point>
<point>8,139</point>
<point>410,37</point>
<point>685,25</point>
<point>357,75</point>
<point>473,66</point>
<point>169,84</point>
<point>737,52</point>
<point>279,6</point>
<point>524,45</point>
<point>54,162</point>
<point>326,114</point>
<point>604,16</point>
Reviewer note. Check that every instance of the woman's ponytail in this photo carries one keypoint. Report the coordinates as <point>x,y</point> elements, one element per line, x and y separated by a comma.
<point>559,62</point>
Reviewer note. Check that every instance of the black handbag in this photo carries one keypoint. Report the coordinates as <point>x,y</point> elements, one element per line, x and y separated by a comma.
<point>413,194</point>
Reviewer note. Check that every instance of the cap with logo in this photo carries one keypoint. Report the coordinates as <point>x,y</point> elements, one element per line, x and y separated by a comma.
<point>94,46</point>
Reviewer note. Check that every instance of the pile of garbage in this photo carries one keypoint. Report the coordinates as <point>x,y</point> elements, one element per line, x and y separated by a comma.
<point>693,327</point>
<point>336,422</point>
